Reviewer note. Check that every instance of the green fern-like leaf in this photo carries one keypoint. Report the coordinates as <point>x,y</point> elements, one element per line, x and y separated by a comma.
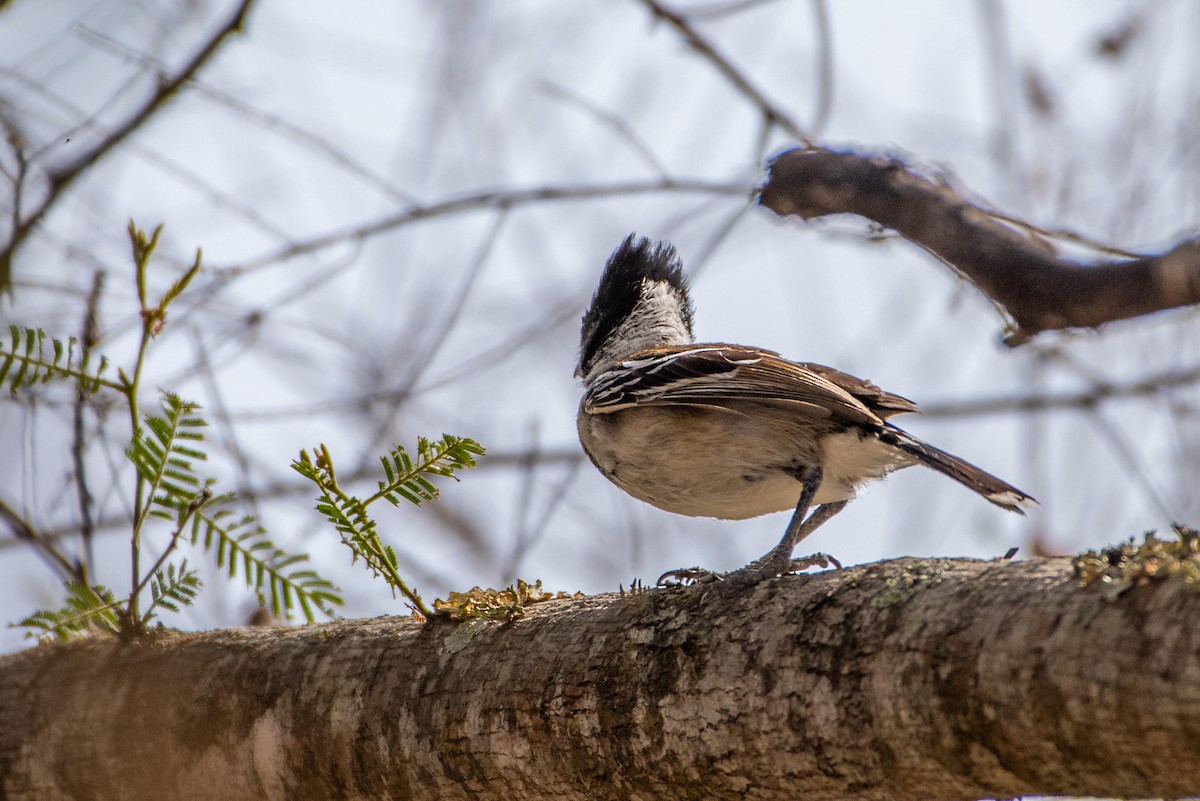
<point>405,478</point>
<point>35,363</point>
<point>349,516</point>
<point>241,545</point>
<point>164,459</point>
<point>408,479</point>
<point>172,587</point>
<point>85,608</point>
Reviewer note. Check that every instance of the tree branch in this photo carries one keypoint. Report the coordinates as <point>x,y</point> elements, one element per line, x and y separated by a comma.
<point>60,180</point>
<point>1015,267</point>
<point>26,534</point>
<point>939,679</point>
<point>500,200</point>
<point>771,113</point>
<point>1154,386</point>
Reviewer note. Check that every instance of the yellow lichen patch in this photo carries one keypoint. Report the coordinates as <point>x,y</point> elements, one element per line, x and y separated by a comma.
<point>507,604</point>
<point>1121,567</point>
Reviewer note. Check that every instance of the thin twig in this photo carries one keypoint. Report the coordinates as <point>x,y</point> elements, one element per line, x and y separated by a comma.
<point>436,339</point>
<point>87,340</point>
<point>16,144</point>
<point>1128,456</point>
<point>220,412</point>
<point>824,68</point>
<point>614,122</point>
<point>725,8</point>
<point>998,60</point>
<point>1087,399</point>
<point>188,513</point>
<point>486,199</point>
<point>740,82</point>
<point>188,177</point>
<point>527,483</point>
<point>269,122</point>
<point>26,534</point>
<point>59,180</point>
<point>718,234</point>
<point>534,533</point>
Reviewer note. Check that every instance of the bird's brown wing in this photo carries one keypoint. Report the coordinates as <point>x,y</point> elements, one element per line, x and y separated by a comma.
<point>883,403</point>
<point>725,376</point>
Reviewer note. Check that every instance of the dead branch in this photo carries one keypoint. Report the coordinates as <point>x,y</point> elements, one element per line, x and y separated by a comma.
<point>939,679</point>
<point>1015,267</point>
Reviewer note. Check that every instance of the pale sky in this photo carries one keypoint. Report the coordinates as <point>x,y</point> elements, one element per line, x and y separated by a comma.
<point>322,119</point>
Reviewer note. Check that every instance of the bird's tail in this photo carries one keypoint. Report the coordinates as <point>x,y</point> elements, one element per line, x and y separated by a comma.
<point>995,490</point>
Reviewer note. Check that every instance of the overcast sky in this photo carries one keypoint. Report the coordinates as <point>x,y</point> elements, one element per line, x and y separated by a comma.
<point>322,119</point>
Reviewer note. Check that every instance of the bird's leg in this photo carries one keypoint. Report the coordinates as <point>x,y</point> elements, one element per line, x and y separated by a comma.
<point>779,559</point>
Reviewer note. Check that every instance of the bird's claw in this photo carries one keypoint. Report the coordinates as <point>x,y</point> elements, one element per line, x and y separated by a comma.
<point>775,565</point>
<point>751,573</point>
<point>814,560</point>
<point>686,576</point>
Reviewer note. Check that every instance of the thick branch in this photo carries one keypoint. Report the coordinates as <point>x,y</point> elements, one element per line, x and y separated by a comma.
<point>943,679</point>
<point>1017,269</point>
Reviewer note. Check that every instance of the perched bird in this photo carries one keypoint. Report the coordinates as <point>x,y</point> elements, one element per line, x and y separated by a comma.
<point>731,431</point>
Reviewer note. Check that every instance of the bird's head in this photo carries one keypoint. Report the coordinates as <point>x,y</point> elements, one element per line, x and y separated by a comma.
<point>642,302</point>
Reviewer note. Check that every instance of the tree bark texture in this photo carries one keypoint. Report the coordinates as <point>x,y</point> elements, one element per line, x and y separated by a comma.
<point>1020,271</point>
<point>910,679</point>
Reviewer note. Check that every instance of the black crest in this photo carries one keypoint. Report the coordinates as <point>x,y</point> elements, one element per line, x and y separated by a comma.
<point>622,284</point>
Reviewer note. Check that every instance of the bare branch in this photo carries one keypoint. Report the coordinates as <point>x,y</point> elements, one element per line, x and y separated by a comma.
<point>435,337</point>
<point>89,336</point>
<point>1147,387</point>
<point>771,113</point>
<point>197,182</point>
<point>501,199</point>
<point>824,68</point>
<point>1022,273</point>
<point>614,122</point>
<point>268,121</point>
<point>168,87</point>
<point>26,534</point>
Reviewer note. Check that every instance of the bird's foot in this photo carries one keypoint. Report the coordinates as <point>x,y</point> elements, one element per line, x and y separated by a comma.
<point>814,560</point>
<point>769,566</point>
<point>687,576</point>
<point>773,565</point>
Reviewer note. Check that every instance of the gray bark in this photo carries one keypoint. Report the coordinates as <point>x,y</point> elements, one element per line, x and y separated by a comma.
<point>936,679</point>
<point>1019,270</point>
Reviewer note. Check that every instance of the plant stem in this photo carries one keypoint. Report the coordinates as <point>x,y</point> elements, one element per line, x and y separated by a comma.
<point>368,541</point>
<point>193,507</point>
<point>141,259</point>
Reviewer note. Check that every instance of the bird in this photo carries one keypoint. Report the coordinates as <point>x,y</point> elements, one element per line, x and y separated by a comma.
<point>733,431</point>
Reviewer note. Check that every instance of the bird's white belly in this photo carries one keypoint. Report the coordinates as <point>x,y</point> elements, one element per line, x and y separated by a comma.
<point>718,464</point>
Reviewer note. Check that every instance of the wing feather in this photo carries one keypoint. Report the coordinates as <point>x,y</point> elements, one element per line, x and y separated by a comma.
<point>726,375</point>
